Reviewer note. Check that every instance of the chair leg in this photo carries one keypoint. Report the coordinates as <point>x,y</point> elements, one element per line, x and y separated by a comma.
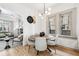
<point>12,42</point>
<point>28,48</point>
<point>21,42</point>
<point>49,50</point>
<point>55,48</point>
<point>37,52</point>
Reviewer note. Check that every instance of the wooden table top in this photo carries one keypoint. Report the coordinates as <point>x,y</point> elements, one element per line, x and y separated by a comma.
<point>35,36</point>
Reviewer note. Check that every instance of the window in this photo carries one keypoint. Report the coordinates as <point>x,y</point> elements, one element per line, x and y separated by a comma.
<point>52,29</point>
<point>5,26</point>
<point>66,23</point>
<point>63,23</point>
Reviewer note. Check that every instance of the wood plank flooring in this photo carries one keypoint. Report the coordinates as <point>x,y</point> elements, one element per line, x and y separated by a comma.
<point>68,50</point>
<point>18,51</point>
<point>31,51</point>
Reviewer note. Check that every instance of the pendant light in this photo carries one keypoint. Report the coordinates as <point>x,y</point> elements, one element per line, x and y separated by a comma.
<point>45,11</point>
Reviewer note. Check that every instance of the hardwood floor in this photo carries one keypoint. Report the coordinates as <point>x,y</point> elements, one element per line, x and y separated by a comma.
<point>19,51</point>
<point>31,51</point>
<point>68,50</point>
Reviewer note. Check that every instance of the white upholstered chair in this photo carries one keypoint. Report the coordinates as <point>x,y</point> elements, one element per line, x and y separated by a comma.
<point>18,39</point>
<point>52,42</point>
<point>31,40</point>
<point>40,44</point>
<point>30,43</point>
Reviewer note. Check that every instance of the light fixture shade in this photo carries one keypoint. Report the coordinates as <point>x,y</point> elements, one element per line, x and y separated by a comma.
<point>46,12</point>
<point>49,9</point>
<point>42,34</point>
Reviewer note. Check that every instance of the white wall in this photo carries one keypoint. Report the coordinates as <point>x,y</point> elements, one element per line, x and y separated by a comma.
<point>39,25</point>
<point>24,10</point>
<point>77,23</point>
<point>67,41</point>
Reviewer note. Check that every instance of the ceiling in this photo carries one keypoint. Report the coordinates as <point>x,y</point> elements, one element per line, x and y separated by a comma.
<point>34,6</point>
<point>38,6</point>
<point>15,9</point>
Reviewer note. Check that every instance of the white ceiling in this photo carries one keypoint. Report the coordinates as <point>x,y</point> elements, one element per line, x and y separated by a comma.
<point>34,6</point>
<point>22,9</point>
<point>38,6</point>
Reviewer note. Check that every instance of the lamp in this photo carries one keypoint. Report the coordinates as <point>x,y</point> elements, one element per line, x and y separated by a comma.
<point>45,12</point>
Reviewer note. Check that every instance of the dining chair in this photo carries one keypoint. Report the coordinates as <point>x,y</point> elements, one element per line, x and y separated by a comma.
<point>31,41</point>
<point>18,39</point>
<point>52,42</point>
<point>40,44</point>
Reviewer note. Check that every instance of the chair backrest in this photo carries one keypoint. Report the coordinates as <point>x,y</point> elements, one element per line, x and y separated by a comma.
<point>57,35</point>
<point>51,40</point>
<point>20,37</point>
<point>50,37</point>
<point>40,43</point>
